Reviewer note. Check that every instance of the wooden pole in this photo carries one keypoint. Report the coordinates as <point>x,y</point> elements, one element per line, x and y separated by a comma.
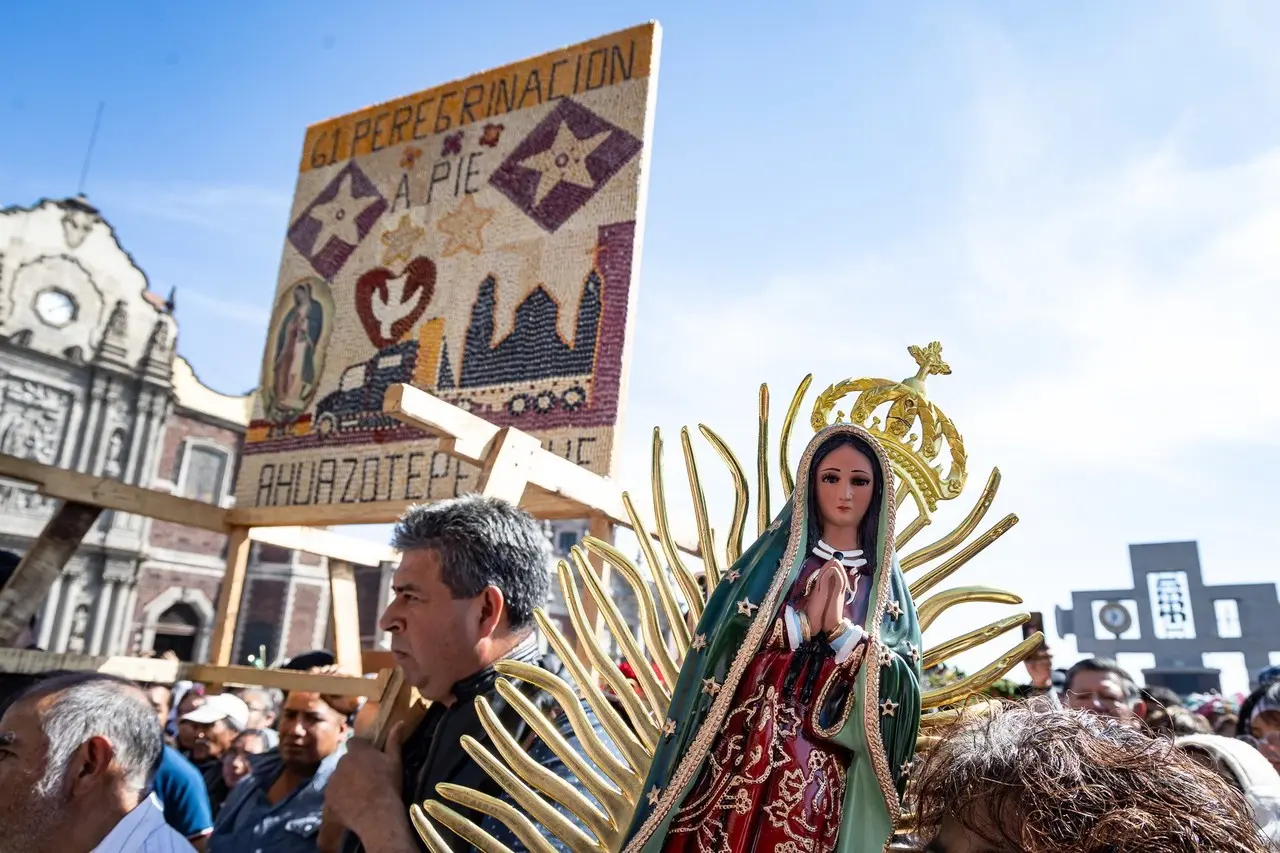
<point>41,565</point>
<point>228,614</point>
<point>345,615</point>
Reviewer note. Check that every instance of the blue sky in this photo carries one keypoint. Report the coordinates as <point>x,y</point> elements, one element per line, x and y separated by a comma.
<point>1083,207</point>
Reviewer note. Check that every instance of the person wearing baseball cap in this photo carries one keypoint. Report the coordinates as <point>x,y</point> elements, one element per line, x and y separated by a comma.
<point>215,724</point>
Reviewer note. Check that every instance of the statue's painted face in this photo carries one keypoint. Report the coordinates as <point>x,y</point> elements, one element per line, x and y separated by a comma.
<point>846,479</point>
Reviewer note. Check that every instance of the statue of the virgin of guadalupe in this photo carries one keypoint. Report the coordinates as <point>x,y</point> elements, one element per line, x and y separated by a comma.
<point>797,698</point>
<point>799,702</point>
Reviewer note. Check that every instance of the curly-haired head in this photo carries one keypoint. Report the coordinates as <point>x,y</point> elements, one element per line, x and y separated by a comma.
<point>1040,780</point>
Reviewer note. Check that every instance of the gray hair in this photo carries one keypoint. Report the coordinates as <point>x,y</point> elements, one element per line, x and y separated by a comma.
<point>273,697</point>
<point>87,705</point>
<point>482,542</point>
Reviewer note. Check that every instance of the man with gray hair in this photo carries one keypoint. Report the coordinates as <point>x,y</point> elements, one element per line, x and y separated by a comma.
<point>77,753</point>
<point>1101,686</point>
<point>471,573</point>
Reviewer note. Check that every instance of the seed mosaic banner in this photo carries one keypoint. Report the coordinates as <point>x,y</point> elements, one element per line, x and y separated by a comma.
<point>478,240</point>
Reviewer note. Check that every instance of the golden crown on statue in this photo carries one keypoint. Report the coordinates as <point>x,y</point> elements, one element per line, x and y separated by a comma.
<point>913,455</point>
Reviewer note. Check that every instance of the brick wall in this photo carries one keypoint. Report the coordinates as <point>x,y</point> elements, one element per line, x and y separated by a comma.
<point>368,581</point>
<point>306,612</point>
<point>178,429</point>
<point>261,612</point>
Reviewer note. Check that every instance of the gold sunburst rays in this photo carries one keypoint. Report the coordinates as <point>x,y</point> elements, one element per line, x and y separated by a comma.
<point>962,530</point>
<point>529,800</point>
<point>928,611</point>
<point>763,516</point>
<point>914,433</point>
<point>621,771</point>
<point>688,584</point>
<point>662,580</point>
<point>634,752</point>
<point>983,678</point>
<point>456,823</point>
<point>654,641</point>
<point>657,696</point>
<point>971,640</point>
<point>737,527</point>
<point>706,541</point>
<point>784,442</point>
<point>964,555</point>
<point>642,722</point>
<point>612,800</point>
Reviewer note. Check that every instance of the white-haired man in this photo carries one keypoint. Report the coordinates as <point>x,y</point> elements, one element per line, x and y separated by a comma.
<point>77,753</point>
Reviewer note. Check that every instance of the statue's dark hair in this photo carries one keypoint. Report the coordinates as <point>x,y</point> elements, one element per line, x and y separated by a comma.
<point>869,530</point>
<point>483,542</point>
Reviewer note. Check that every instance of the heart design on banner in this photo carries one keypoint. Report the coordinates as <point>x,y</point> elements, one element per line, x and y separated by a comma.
<point>389,304</point>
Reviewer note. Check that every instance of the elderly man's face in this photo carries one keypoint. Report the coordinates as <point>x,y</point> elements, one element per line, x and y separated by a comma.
<point>29,810</point>
<point>210,740</point>
<point>1103,693</point>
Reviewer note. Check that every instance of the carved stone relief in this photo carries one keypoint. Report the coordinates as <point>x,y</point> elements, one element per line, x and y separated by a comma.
<point>25,501</point>
<point>76,225</point>
<point>33,420</point>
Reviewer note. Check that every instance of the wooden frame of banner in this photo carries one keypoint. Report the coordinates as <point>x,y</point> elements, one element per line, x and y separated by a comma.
<point>83,498</point>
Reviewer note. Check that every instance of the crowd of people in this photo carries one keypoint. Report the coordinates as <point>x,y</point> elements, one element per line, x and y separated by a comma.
<point>90,762</point>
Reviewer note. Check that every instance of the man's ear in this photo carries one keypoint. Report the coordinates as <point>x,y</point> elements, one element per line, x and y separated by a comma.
<point>90,764</point>
<point>493,611</point>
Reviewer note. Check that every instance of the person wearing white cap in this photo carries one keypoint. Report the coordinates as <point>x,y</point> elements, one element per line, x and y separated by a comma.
<point>216,724</point>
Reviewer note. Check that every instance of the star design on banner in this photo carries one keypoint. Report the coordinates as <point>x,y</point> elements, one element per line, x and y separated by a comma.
<point>888,708</point>
<point>337,217</point>
<point>465,227</point>
<point>699,643</point>
<point>893,610</point>
<point>732,575</point>
<point>563,163</point>
<point>915,652</point>
<point>886,657</point>
<point>669,728</point>
<point>746,608</point>
<point>565,160</point>
<point>400,241</point>
<point>655,794</point>
<point>710,686</point>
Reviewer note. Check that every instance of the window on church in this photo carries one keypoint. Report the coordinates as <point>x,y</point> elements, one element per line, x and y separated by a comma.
<point>205,474</point>
<point>1227,611</point>
<point>565,541</point>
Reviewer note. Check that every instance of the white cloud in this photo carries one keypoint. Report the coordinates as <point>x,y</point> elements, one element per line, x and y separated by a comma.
<point>225,209</point>
<point>250,314</point>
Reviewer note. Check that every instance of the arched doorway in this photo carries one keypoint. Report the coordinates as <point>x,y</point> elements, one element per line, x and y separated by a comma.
<point>176,631</point>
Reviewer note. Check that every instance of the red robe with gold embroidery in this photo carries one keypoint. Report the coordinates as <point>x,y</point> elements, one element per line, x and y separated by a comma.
<point>773,783</point>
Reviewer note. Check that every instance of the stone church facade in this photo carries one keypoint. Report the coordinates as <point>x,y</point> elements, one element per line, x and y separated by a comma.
<point>90,380</point>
